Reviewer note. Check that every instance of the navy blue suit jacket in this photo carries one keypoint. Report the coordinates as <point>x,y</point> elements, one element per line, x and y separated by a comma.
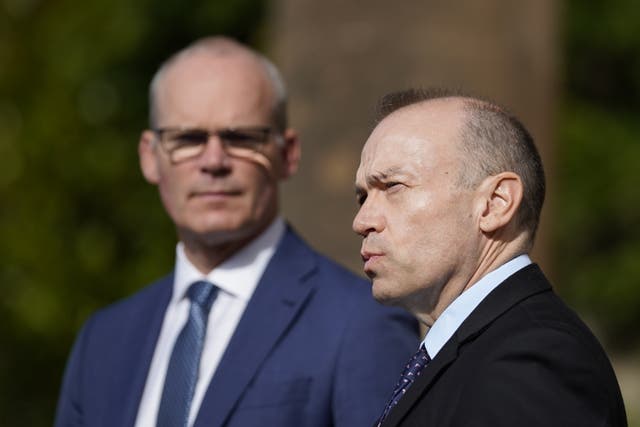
<point>312,349</point>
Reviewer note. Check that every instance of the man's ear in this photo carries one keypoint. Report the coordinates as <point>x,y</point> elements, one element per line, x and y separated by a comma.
<point>147,156</point>
<point>291,152</point>
<point>501,197</point>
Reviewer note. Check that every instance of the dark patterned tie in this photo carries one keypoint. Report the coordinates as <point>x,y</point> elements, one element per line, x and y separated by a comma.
<point>411,371</point>
<point>182,373</point>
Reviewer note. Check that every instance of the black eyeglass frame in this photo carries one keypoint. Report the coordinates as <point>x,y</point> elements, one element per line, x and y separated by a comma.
<point>252,138</point>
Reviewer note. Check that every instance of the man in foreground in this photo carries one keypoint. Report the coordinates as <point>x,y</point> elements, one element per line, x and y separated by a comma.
<point>450,191</point>
<point>252,328</point>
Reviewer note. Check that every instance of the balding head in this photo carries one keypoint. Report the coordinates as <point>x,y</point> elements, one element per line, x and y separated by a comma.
<point>218,47</point>
<point>219,146</point>
<point>491,139</point>
<point>442,184</point>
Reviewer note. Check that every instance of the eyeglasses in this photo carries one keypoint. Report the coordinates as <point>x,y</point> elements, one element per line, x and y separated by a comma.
<point>186,143</point>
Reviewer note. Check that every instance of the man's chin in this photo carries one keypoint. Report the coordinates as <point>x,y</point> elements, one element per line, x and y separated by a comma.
<point>383,292</point>
<point>219,233</point>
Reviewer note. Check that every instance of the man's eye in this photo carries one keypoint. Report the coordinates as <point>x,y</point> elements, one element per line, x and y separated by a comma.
<point>243,139</point>
<point>391,184</point>
<point>191,138</point>
<point>238,136</point>
<point>360,199</point>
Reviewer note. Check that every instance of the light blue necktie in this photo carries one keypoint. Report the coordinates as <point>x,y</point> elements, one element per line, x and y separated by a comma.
<point>182,373</point>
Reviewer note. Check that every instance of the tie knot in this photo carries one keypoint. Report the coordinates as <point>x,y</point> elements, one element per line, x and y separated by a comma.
<point>416,364</point>
<point>422,354</point>
<point>203,293</point>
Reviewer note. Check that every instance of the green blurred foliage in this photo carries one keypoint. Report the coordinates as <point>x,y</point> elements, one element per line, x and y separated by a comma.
<point>80,226</point>
<point>597,222</point>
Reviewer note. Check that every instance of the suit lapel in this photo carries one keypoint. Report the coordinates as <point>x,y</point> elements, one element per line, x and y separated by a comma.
<point>138,344</point>
<point>521,285</point>
<point>276,302</point>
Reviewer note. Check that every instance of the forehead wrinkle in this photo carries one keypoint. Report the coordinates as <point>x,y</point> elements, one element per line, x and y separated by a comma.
<point>377,166</point>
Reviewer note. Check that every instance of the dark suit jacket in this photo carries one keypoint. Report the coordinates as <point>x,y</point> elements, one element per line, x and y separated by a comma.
<point>522,358</point>
<point>312,349</point>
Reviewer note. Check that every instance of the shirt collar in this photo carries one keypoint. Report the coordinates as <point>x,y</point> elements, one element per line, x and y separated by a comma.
<point>457,312</point>
<point>237,276</point>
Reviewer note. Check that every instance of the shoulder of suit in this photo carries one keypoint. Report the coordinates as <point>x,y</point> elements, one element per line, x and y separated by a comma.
<point>152,293</point>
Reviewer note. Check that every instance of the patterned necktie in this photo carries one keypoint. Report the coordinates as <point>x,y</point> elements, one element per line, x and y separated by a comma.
<point>182,373</point>
<point>410,373</point>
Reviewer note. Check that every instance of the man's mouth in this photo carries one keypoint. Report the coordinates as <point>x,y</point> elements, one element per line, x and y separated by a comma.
<point>370,259</point>
<point>214,194</point>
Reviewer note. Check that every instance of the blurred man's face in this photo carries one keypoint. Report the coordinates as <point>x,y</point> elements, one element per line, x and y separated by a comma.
<point>222,194</point>
<point>415,221</point>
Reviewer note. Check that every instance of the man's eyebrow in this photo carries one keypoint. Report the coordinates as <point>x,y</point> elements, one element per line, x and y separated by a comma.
<point>376,178</point>
<point>384,174</point>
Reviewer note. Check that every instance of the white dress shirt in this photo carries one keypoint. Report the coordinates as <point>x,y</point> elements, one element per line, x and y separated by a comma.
<point>461,307</point>
<point>236,279</point>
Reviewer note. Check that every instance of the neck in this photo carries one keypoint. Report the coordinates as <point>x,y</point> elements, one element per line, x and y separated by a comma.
<point>206,258</point>
<point>207,253</point>
<point>492,254</point>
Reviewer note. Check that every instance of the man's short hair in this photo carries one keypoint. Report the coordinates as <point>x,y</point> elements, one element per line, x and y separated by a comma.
<point>221,46</point>
<point>492,140</point>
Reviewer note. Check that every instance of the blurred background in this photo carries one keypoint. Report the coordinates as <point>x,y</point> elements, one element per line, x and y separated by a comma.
<point>80,227</point>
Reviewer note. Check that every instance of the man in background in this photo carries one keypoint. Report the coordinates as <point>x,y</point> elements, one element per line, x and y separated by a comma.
<point>450,190</point>
<point>252,328</point>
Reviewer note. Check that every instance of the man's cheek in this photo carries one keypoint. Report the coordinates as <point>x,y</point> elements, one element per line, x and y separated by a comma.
<point>260,159</point>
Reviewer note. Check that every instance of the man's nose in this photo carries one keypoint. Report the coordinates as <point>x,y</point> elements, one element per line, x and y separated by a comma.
<point>368,219</point>
<point>214,157</point>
